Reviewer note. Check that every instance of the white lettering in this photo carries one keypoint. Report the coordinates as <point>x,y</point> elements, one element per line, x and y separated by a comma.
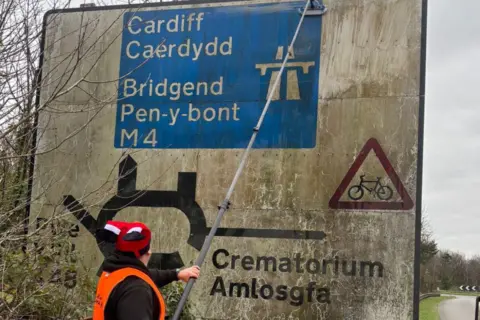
<point>142,85</point>
<point>159,51</point>
<point>170,48</point>
<point>159,25</point>
<point>151,138</point>
<point>129,84</point>
<point>129,54</point>
<point>169,26</point>
<point>175,24</point>
<point>183,23</point>
<point>161,85</point>
<point>186,47</point>
<point>235,108</point>
<point>174,116</point>
<point>150,28</point>
<point>124,133</point>
<point>130,25</point>
<point>220,112</point>
<point>227,51</point>
<point>219,85</point>
<point>154,115</point>
<point>141,115</point>
<point>191,109</point>
<point>209,118</point>
<point>190,19</point>
<point>199,18</point>
<point>187,88</point>
<point>199,85</point>
<point>214,49</point>
<point>150,88</point>
<point>124,112</point>
<point>210,114</point>
<point>148,52</point>
<point>173,90</point>
<point>197,50</point>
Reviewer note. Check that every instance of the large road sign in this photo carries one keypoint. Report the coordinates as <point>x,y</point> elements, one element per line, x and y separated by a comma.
<point>144,110</point>
<point>195,78</point>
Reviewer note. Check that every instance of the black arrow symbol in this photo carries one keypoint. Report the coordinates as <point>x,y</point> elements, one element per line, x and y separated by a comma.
<point>182,199</point>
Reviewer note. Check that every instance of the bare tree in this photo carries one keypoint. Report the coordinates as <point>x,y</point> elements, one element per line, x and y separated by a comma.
<point>32,264</point>
<point>41,276</point>
<point>428,251</point>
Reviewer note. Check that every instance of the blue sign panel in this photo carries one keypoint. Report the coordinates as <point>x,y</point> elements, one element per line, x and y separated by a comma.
<point>199,78</point>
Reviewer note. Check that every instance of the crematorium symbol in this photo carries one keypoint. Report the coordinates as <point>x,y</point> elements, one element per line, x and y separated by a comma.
<point>183,199</point>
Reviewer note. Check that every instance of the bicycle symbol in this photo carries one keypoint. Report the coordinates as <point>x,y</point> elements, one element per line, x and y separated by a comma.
<point>383,192</point>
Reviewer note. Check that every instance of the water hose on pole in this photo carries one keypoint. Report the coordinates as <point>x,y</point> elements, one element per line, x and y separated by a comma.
<point>310,5</point>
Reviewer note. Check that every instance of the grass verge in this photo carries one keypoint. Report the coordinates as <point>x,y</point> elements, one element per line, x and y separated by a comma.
<point>429,308</point>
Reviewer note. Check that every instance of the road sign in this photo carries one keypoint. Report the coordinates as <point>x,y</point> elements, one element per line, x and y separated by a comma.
<point>129,196</point>
<point>177,99</point>
<point>148,123</point>
<point>469,288</point>
<point>383,192</point>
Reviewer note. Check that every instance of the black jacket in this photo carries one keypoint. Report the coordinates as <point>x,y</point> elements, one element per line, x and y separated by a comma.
<point>134,299</point>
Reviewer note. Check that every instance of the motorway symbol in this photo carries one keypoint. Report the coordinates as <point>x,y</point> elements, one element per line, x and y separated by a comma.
<point>373,186</point>
<point>182,199</point>
<point>292,87</point>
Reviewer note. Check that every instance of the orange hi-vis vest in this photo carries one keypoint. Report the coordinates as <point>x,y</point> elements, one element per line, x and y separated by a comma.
<point>108,281</point>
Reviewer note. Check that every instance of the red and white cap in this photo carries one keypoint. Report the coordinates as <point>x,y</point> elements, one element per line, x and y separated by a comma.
<point>134,238</point>
<point>129,237</point>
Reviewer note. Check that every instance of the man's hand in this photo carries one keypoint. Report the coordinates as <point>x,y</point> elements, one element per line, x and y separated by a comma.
<point>192,272</point>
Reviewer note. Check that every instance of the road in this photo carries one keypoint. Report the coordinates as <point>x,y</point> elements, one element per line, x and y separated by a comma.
<point>461,308</point>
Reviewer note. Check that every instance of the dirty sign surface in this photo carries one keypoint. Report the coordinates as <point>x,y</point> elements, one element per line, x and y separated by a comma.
<point>198,78</point>
<point>322,223</point>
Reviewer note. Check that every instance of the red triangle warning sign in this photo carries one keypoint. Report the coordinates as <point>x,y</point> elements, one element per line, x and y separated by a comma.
<point>381,191</point>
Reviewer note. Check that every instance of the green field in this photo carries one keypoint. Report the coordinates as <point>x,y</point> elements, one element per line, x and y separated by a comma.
<point>429,308</point>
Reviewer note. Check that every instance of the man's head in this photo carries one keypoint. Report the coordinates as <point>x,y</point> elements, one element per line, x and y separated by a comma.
<point>130,238</point>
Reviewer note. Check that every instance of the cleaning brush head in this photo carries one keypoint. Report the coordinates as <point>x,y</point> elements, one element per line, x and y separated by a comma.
<point>315,8</point>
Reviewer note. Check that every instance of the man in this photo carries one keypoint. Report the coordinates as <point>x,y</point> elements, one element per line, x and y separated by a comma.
<point>127,289</point>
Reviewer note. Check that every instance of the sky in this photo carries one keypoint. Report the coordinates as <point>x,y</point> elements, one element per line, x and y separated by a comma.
<point>452,123</point>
